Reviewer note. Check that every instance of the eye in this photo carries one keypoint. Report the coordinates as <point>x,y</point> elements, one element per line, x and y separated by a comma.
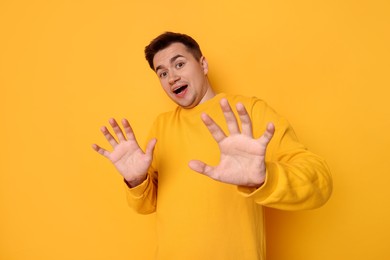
<point>179,65</point>
<point>163,74</point>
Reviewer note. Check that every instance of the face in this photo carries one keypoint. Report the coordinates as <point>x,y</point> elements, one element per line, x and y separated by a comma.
<point>182,77</point>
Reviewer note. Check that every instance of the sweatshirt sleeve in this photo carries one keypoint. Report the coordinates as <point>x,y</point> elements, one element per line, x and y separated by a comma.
<point>296,178</point>
<point>143,197</point>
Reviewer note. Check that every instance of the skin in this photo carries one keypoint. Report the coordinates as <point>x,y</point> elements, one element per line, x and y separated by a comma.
<point>242,156</point>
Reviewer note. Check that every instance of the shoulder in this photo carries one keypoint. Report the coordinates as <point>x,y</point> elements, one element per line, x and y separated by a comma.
<point>164,116</point>
<point>250,102</point>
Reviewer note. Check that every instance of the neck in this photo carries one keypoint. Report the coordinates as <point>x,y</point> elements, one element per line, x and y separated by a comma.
<point>209,93</point>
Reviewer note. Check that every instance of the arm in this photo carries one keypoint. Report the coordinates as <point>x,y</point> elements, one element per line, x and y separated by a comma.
<point>274,170</point>
<point>130,161</point>
<point>296,178</point>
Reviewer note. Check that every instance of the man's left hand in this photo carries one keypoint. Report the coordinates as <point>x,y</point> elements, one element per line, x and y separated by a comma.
<point>242,156</point>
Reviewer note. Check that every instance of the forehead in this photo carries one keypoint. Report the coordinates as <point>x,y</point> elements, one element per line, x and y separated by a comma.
<point>164,56</point>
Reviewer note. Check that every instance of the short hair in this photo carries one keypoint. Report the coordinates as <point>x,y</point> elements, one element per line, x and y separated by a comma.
<point>166,39</point>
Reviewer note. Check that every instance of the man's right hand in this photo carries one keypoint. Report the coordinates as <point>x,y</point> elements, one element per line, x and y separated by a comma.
<point>127,157</point>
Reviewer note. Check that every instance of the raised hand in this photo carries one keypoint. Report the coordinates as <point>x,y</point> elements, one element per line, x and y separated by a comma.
<point>128,158</point>
<point>242,160</point>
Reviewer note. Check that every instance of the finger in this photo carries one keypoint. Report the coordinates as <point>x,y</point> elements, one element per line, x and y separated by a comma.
<point>231,120</point>
<point>214,129</point>
<point>108,136</point>
<point>200,167</point>
<point>100,150</point>
<point>150,147</point>
<point>268,134</point>
<point>117,129</point>
<point>246,122</point>
<point>128,130</point>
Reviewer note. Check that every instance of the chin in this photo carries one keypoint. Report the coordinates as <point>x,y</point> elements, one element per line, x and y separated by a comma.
<point>184,103</point>
<point>187,105</point>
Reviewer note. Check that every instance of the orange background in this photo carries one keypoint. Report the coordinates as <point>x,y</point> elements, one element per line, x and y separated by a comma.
<point>67,66</point>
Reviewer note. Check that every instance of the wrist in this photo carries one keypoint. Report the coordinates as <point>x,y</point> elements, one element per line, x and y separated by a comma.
<point>135,182</point>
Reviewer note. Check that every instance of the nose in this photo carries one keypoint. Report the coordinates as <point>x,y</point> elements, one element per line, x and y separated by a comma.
<point>173,77</point>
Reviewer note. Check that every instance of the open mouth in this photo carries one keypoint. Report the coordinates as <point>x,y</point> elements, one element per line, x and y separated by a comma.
<point>181,89</point>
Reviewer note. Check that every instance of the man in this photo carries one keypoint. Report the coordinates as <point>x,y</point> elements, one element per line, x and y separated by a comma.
<point>207,187</point>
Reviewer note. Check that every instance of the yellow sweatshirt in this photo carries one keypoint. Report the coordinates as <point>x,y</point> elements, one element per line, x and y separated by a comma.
<point>200,218</point>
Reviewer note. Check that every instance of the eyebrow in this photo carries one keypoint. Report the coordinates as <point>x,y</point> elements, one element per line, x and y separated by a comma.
<point>172,60</point>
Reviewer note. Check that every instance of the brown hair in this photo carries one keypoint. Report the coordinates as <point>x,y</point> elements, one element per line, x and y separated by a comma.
<point>164,40</point>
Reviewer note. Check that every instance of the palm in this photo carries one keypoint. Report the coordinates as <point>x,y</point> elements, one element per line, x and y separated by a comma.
<point>240,153</point>
<point>242,156</point>
<point>128,158</point>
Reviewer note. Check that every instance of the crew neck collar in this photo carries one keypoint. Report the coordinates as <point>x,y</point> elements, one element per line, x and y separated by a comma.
<point>201,107</point>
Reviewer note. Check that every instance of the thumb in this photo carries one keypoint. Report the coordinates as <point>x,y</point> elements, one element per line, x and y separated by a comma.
<point>199,167</point>
<point>150,147</point>
<point>268,134</point>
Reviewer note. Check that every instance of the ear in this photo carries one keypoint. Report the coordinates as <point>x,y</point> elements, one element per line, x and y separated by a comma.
<point>204,64</point>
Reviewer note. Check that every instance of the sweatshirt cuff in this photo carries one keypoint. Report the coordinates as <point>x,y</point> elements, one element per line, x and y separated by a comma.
<point>264,191</point>
<point>139,190</point>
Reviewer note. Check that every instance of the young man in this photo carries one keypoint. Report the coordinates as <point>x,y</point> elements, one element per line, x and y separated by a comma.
<point>210,174</point>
